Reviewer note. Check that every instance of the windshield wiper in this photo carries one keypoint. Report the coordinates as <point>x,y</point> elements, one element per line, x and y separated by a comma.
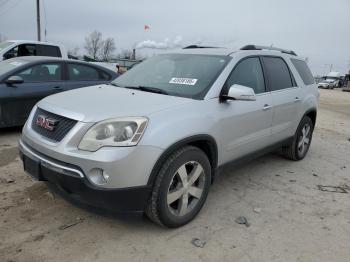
<point>153,90</point>
<point>146,89</point>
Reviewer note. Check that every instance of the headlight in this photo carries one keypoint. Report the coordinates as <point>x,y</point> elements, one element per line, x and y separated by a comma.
<point>114,132</point>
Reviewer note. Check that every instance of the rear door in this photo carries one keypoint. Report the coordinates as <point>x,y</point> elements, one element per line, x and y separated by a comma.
<point>82,75</point>
<point>246,125</point>
<point>39,81</point>
<point>285,97</point>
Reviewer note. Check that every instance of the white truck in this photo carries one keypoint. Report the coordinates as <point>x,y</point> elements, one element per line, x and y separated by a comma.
<point>15,48</point>
<point>332,80</point>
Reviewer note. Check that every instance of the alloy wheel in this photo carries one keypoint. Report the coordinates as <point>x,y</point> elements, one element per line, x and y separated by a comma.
<point>186,188</point>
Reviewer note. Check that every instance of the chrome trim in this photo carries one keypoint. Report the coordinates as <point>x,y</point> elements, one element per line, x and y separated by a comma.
<point>45,160</point>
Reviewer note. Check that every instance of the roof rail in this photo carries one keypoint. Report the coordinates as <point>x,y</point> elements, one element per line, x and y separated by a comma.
<point>198,46</point>
<point>259,47</point>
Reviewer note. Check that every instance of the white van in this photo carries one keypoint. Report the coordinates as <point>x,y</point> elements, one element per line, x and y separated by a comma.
<point>14,48</point>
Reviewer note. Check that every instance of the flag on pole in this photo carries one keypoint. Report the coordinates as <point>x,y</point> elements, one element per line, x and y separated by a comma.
<point>147,27</point>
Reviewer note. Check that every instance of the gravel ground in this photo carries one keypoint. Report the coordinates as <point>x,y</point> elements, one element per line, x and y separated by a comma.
<point>290,218</point>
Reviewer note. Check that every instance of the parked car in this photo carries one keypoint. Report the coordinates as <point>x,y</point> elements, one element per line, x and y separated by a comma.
<point>16,48</point>
<point>331,81</point>
<point>26,80</point>
<point>153,140</point>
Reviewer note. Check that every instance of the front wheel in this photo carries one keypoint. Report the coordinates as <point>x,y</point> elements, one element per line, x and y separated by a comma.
<point>300,145</point>
<point>181,188</point>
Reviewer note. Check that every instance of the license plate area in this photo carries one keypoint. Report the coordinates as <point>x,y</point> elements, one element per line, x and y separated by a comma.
<point>32,167</point>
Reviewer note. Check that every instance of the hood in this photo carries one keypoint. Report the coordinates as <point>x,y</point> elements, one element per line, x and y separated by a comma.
<point>97,103</point>
<point>329,80</point>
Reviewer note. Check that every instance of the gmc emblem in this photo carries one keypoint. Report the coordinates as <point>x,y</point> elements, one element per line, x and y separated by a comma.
<point>45,122</point>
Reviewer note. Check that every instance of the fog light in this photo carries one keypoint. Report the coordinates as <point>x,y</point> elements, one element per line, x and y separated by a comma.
<point>98,176</point>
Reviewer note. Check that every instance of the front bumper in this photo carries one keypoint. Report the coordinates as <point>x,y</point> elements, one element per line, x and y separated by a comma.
<point>70,181</point>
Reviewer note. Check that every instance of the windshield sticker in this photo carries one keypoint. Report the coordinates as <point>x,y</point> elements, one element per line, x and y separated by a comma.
<point>16,63</point>
<point>183,81</point>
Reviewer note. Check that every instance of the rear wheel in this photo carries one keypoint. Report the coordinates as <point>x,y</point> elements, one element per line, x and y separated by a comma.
<point>181,188</point>
<point>300,145</point>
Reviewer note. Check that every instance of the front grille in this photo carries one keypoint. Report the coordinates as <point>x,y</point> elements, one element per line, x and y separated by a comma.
<point>61,129</point>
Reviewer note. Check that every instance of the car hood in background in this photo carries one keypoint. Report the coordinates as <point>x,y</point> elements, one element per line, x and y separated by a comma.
<point>97,103</point>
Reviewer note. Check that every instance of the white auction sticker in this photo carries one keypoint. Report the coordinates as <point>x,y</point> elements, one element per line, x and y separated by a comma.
<point>183,81</point>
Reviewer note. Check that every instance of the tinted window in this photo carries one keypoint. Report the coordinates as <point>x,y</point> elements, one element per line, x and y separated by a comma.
<point>248,73</point>
<point>21,50</point>
<point>303,71</point>
<point>49,50</point>
<point>104,76</point>
<point>278,73</point>
<point>78,72</point>
<point>27,50</point>
<point>41,73</point>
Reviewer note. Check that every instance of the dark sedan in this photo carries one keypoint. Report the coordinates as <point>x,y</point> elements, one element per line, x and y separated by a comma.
<point>26,80</point>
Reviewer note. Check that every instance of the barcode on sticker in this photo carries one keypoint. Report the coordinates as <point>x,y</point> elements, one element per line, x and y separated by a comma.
<point>183,81</point>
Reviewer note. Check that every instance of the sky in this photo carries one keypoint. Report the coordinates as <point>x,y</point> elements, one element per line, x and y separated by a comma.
<point>317,29</point>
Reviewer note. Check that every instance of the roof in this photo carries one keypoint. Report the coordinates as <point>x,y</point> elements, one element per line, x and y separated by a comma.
<point>32,42</point>
<point>253,50</point>
<point>204,51</point>
<point>33,59</point>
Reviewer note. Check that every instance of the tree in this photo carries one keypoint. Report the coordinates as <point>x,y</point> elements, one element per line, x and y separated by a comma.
<point>93,44</point>
<point>73,52</point>
<point>108,47</point>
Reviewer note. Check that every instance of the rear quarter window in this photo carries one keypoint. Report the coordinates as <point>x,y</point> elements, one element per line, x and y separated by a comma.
<point>304,71</point>
<point>49,50</point>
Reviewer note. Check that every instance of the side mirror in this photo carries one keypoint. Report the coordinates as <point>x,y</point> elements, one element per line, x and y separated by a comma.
<point>239,92</point>
<point>14,80</point>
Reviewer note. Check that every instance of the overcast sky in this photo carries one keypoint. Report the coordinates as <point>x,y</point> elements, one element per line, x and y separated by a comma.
<point>317,29</point>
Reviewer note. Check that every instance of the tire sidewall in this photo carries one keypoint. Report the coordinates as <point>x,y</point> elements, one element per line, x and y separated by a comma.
<point>164,213</point>
<point>304,121</point>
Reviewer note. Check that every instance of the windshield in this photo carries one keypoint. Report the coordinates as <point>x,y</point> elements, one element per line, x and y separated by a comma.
<point>8,65</point>
<point>332,78</point>
<point>5,44</point>
<point>175,74</point>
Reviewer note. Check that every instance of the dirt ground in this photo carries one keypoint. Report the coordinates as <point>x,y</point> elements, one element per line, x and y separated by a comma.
<point>290,218</point>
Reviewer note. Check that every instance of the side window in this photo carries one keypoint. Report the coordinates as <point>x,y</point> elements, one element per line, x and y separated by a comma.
<point>27,50</point>
<point>248,73</point>
<point>78,72</point>
<point>278,73</point>
<point>42,73</point>
<point>49,50</point>
<point>304,71</point>
<point>104,76</point>
<point>11,53</point>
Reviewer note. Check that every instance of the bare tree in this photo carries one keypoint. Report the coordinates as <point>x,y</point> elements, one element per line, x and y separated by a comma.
<point>108,48</point>
<point>74,51</point>
<point>93,44</point>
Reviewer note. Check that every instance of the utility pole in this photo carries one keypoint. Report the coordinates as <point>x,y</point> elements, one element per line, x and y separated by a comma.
<point>38,19</point>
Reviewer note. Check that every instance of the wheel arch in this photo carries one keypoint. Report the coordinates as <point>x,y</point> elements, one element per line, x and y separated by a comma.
<point>204,142</point>
<point>312,113</point>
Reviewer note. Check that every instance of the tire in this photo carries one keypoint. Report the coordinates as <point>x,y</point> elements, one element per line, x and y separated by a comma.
<point>173,185</point>
<point>297,150</point>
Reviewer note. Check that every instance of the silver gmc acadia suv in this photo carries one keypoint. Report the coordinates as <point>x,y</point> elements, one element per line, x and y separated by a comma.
<point>153,140</point>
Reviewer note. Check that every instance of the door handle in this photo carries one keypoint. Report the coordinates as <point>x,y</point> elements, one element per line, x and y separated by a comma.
<point>297,99</point>
<point>266,107</point>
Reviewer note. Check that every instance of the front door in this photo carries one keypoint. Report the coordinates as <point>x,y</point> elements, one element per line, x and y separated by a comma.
<point>39,81</point>
<point>246,125</point>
